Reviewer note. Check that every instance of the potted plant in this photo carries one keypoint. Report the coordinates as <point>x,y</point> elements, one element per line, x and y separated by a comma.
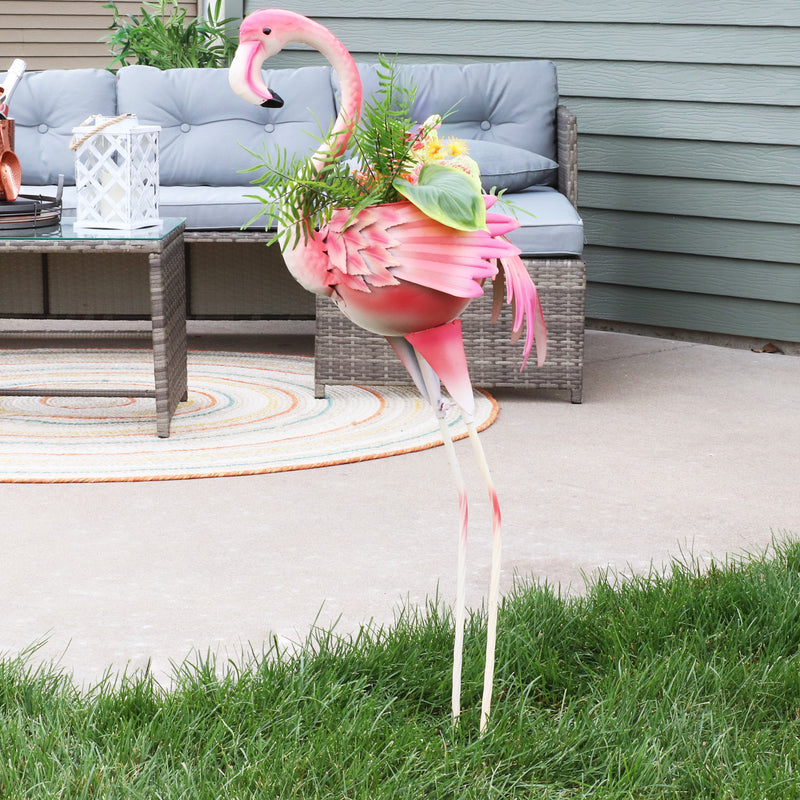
<point>161,36</point>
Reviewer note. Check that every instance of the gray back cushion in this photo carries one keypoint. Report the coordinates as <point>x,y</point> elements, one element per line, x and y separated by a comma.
<point>509,103</point>
<point>205,126</point>
<point>46,107</point>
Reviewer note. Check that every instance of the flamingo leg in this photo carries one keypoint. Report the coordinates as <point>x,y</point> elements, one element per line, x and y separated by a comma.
<point>494,580</point>
<point>428,384</point>
<point>443,347</point>
<point>461,570</point>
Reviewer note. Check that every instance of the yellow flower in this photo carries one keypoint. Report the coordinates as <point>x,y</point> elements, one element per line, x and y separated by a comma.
<point>433,148</point>
<point>456,147</point>
<point>430,149</point>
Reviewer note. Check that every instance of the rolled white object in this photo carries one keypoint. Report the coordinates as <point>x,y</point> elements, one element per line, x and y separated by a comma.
<point>15,72</point>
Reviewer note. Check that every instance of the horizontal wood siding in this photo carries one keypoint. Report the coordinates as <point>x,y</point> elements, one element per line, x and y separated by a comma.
<point>61,34</point>
<point>689,119</point>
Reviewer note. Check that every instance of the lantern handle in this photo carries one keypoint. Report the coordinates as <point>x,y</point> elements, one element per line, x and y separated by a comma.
<point>74,145</point>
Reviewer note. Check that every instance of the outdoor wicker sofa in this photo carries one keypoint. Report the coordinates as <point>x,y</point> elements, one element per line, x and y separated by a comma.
<point>508,111</point>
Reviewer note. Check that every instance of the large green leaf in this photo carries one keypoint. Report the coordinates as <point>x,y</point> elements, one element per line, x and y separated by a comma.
<point>447,195</point>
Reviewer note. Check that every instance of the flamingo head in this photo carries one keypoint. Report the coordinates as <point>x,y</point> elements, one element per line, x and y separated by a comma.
<point>263,34</point>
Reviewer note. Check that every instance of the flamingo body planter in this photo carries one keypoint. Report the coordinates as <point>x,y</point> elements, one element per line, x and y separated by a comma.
<point>405,269</point>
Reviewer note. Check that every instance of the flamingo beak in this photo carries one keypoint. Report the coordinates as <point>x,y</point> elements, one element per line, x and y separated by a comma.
<point>276,101</point>
<point>245,78</point>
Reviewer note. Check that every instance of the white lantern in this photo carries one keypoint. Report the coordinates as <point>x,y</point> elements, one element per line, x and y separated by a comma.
<point>116,173</point>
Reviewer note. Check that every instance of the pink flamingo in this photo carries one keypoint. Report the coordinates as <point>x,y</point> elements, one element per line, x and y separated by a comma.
<point>397,272</point>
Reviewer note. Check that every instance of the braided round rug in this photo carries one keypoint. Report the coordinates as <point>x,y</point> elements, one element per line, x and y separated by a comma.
<point>246,414</point>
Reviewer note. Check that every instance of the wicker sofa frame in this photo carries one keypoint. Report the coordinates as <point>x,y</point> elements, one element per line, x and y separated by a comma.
<point>344,353</point>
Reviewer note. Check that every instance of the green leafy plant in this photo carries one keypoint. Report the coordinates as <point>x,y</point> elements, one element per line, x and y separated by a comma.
<point>161,36</point>
<point>390,158</point>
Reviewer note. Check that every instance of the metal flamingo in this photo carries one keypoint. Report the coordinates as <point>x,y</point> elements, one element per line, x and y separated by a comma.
<point>401,274</point>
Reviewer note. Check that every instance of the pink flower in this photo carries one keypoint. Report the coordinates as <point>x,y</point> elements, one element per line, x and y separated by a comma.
<point>413,176</point>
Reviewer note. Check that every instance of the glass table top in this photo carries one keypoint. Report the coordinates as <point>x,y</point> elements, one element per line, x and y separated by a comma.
<point>66,230</point>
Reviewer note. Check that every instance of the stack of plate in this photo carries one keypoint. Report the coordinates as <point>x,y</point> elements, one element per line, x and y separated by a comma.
<point>29,212</point>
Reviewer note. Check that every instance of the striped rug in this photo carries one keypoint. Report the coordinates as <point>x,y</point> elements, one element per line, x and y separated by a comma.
<point>247,413</point>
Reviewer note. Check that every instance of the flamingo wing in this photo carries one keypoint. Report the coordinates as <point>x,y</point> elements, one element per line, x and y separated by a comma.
<point>388,244</point>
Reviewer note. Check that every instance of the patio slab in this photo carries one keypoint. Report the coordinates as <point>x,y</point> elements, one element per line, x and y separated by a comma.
<point>678,449</point>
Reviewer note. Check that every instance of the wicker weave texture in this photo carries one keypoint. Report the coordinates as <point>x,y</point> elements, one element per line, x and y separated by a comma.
<point>240,278</point>
<point>168,311</point>
<point>567,147</point>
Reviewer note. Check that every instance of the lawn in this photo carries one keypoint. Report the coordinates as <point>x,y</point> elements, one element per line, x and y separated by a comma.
<point>683,684</point>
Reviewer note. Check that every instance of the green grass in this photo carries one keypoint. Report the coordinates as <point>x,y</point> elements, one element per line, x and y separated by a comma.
<point>676,685</point>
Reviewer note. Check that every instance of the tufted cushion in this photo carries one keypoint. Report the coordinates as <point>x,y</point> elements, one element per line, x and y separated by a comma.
<point>511,168</point>
<point>46,107</point>
<point>511,102</point>
<point>205,126</point>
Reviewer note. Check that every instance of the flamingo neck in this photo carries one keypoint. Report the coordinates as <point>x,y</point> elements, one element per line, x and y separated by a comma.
<point>307,262</point>
<point>321,39</point>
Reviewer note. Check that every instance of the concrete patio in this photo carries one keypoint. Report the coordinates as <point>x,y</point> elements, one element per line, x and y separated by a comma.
<point>678,449</point>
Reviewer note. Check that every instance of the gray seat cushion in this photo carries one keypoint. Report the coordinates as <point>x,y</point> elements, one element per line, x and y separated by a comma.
<point>203,207</point>
<point>211,207</point>
<point>204,125</point>
<point>206,129</point>
<point>46,107</point>
<point>550,225</point>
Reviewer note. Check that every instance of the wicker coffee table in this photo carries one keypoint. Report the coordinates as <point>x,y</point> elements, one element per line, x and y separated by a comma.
<point>163,247</point>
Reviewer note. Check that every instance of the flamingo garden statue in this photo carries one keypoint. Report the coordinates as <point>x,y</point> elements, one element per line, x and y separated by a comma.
<point>404,270</point>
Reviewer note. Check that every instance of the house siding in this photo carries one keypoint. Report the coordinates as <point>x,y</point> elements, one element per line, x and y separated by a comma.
<point>60,34</point>
<point>689,144</point>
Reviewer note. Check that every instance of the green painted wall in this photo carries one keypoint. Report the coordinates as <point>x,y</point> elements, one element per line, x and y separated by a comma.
<point>689,119</point>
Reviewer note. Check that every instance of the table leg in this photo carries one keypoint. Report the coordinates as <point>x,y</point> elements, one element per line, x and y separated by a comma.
<point>168,313</point>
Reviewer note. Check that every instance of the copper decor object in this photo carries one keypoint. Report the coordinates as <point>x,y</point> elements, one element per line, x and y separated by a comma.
<point>10,168</point>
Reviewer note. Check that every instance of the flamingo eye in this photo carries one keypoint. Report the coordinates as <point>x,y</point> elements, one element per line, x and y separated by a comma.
<point>266,31</point>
